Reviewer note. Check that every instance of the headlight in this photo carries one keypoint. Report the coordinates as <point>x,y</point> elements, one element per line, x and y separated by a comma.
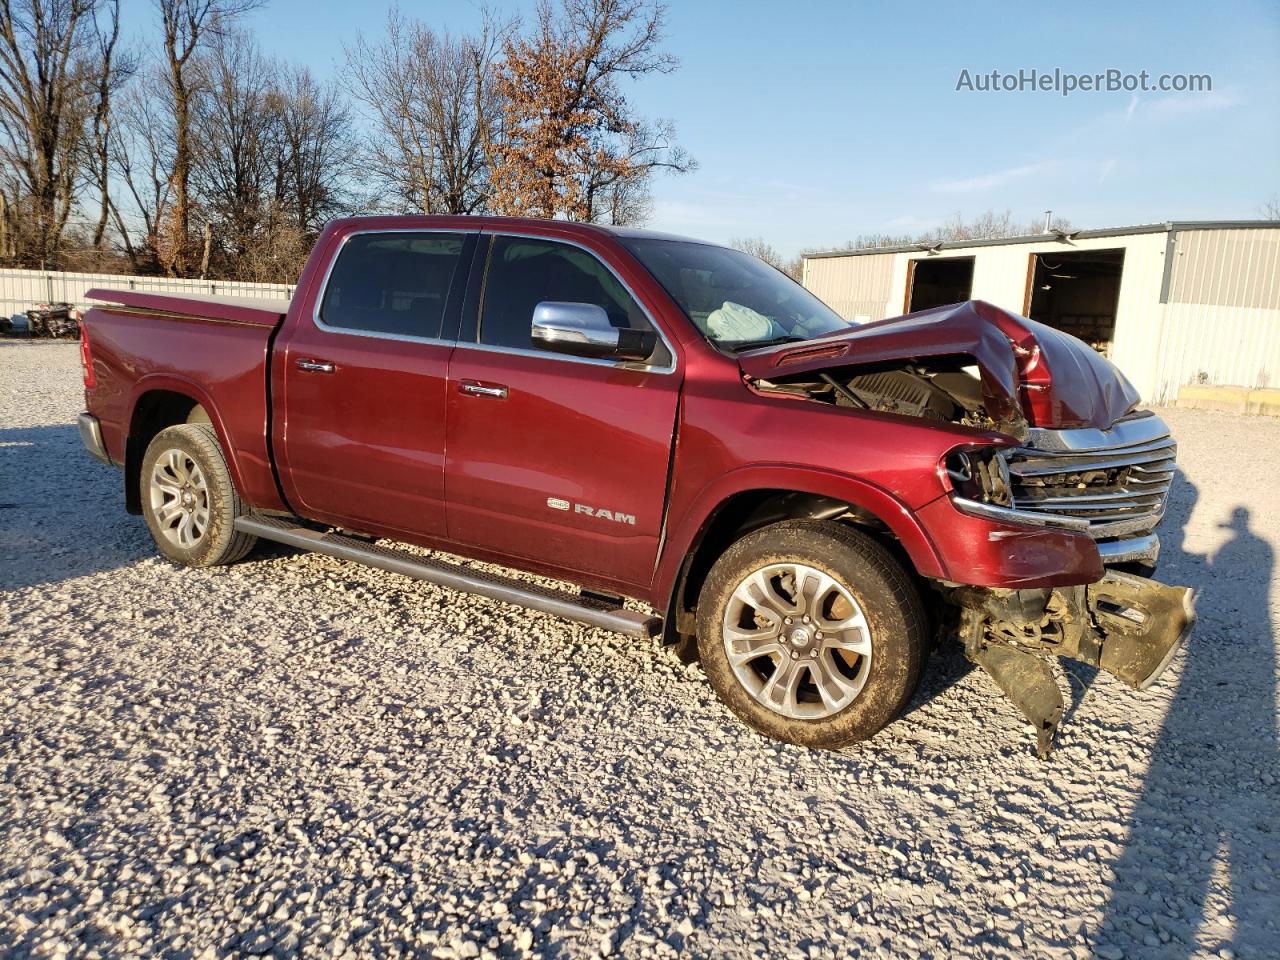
<point>979,481</point>
<point>979,474</point>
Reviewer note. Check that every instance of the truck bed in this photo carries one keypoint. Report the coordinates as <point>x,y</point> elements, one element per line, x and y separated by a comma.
<point>262,311</point>
<point>153,349</point>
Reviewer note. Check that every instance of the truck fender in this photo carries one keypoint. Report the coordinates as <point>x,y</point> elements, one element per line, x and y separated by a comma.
<point>686,533</point>
<point>176,383</point>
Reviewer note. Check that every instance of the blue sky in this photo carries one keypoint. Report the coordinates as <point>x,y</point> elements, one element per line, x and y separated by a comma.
<point>814,123</point>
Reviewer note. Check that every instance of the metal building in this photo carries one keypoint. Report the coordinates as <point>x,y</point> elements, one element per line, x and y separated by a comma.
<point>1172,304</point>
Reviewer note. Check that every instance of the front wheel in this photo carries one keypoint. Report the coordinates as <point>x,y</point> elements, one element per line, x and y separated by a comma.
<point>189,500</point>
<point>811,632</point>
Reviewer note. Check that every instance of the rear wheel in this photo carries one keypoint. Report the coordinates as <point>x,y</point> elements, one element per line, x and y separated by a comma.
<point>188,499</point>
<point>811,632</point>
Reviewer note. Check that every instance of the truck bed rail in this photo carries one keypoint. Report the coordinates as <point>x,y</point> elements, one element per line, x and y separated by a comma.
<point>260,311</point>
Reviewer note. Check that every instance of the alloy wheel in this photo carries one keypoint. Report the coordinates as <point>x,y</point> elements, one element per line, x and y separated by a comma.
<point>797,641</point>
<point>179,498</point>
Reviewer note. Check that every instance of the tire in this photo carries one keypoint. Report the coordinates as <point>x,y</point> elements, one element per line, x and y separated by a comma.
<point>188,499</point>
<point>870,604</point>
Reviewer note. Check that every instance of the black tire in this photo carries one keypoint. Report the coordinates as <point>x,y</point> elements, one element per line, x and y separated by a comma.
<point>890,604</point>
<point>214,540</point>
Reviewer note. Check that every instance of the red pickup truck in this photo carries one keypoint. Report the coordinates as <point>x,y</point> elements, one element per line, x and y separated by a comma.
<point>801,503</point>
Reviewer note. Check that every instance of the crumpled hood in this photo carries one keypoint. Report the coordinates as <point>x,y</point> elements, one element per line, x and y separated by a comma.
<point>1029,371</point>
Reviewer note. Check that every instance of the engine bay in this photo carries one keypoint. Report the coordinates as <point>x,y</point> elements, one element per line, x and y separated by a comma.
<point>949,391</point>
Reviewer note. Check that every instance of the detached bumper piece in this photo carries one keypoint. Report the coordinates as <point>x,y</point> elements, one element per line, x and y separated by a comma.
<point>1124,624</point>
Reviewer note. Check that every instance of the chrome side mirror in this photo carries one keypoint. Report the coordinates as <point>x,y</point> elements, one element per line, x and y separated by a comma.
<point>584,330</point>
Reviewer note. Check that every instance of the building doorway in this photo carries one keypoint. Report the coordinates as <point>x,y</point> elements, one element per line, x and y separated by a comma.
<point>1077,293</point>
<point>938,281</point>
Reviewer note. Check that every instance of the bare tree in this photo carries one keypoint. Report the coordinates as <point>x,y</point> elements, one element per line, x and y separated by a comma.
<point>317,143</point>
<point>142,160</point>
<point>187,26</point>
<point>616,185</point>
<point>761,249</point>
<point>1271,209</point>
<point>45,53</point>
<point>984,226</point>
<point>864,241</point>
<point>431,98</point>
<point>237,152</point>
<point>572,145</point>
<point>989,225</point>
<point>271,161</point>
<point>112,71</point>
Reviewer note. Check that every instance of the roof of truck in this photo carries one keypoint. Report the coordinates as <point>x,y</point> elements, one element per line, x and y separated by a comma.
<point>269,312</point>
<point>486,222</point>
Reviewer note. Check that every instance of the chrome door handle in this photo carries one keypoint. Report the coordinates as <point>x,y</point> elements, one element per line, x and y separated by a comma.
<point>481,390</point>
<point>317,366</point>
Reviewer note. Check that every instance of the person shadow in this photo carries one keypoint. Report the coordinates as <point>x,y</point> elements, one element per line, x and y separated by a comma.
<point>1199,866</point>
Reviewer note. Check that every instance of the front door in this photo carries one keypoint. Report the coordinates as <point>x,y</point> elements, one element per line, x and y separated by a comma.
<point>361,436</point>
<point>557,459</point>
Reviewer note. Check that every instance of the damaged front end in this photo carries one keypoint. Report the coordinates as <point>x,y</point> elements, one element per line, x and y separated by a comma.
<point>1059,445</point>
<point>1124,624</point>
<point>1111,485</point>
<point>970,363</point>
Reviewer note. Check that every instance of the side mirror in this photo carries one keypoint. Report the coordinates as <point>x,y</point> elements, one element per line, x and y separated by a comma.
<point>584,330</point>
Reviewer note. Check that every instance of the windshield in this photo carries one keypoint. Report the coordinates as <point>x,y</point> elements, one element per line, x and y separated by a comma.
<point>736,300</point>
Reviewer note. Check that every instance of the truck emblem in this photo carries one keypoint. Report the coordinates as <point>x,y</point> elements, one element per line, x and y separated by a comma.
<point>604,514</point>
<point>555,503</point>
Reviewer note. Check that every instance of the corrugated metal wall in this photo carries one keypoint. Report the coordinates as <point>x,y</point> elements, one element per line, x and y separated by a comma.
<point>857,291</point>
<point>20,290</point>
<point>1221,324</point>
<point>1227,268</point>
<point>1222,319</point>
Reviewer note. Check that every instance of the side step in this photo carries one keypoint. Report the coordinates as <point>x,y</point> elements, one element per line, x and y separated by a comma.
<point>583,609</point>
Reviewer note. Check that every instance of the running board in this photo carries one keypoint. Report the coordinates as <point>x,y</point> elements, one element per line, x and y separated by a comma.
<point>589,610</point>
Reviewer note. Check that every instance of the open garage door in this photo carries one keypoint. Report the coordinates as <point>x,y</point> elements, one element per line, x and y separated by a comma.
<point>1077,293</point>
<point>936,282</point>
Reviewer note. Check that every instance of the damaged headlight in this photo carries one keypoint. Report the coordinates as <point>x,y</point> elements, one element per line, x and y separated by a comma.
<point>980,474</point>
<point>980,486</point>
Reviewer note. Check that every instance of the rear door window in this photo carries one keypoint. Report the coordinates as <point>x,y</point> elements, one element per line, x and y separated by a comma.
<point>392,284</point>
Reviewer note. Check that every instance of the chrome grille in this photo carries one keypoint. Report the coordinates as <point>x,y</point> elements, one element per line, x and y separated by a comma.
<point>1117,479</point>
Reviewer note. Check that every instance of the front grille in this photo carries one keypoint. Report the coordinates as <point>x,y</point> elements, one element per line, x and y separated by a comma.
<point>1117,480</point>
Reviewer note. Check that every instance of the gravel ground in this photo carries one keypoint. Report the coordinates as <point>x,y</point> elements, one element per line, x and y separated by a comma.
<point>299,756</point>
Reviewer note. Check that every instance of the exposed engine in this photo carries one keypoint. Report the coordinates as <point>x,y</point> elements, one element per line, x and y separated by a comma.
<point>949,393</point>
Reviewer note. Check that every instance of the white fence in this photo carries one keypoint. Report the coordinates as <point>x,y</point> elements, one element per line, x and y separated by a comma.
<point>20,290</point>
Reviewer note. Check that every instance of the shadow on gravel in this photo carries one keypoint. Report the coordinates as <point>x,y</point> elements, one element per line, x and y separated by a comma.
<point>945,667</point>
<point>1205,806</point>
<point>61,512</point>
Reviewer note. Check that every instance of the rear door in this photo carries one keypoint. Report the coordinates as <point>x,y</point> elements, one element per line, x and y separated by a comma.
<point>556,459</point>
<point>361,428</point>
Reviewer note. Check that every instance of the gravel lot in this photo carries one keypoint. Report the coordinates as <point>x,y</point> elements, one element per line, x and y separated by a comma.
<point>299,756</point>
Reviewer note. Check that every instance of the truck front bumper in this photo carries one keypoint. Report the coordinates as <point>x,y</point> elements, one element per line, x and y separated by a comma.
<point>1127,625</point>
<point>91,437</point>
<point>1143,550</point>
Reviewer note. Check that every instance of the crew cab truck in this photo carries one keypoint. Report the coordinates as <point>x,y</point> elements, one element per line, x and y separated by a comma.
<point>804,504</point>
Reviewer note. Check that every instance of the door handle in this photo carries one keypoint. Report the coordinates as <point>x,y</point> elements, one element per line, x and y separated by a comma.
<point>316,366</point>
<point>471,388</point>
